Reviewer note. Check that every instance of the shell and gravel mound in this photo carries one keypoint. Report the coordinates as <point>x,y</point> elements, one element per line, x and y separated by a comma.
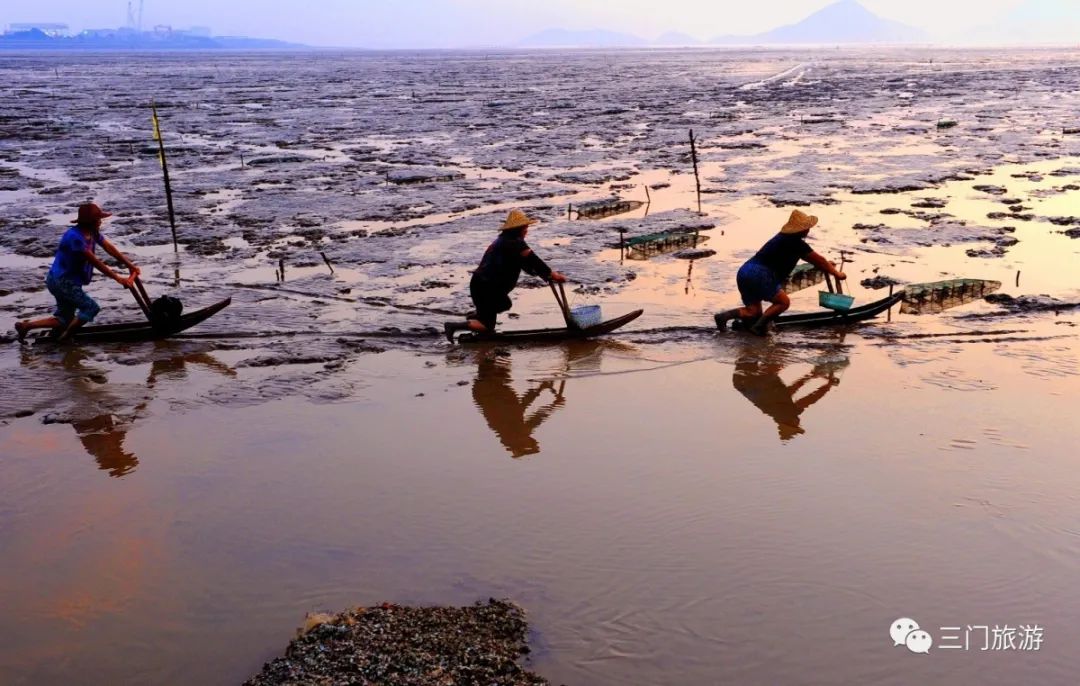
<point>408,646</point>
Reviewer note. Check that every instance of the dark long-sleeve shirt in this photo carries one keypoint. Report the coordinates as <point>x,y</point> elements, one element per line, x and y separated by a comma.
<point>504,261</point>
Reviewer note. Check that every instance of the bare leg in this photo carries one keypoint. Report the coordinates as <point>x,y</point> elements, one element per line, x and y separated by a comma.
<point>22,328</point>
<point>477,326</point>
<point>72,327</point>
<point>451,328</point>
<point>780,303</point>
<point>751,313</point>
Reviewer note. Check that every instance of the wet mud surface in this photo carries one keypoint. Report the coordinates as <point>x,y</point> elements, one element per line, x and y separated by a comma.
<point>319,445</point>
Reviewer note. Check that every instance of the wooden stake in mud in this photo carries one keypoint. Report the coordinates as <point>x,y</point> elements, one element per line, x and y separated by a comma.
<point>697,179</point>
<point>164,173</point>
<point>569,208</point>
<point>327,261</point>
<point>281,266</point>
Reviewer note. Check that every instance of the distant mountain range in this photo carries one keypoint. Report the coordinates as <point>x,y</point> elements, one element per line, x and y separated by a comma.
<point>848,22</point>
<point>125,39</point>
<point>845,21</point>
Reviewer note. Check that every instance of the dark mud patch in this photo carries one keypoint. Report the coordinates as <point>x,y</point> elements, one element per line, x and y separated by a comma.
<point>1031,303</point>
<point>408,646</point>
<point>879,282</point>
<point>281,360</point>
<point>426,175</point>
<point>594,177</point>
<point>942,234</point>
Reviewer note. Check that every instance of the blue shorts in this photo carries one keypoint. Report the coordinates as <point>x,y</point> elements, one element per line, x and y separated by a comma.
<point>71,300</point>
<point>756,283</point>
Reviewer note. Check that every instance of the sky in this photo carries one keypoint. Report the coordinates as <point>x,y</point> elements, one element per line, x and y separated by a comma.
<point>467,23</point>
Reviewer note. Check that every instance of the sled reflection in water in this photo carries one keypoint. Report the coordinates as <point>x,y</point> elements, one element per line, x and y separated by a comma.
<point>102,413</point>
<point>757,377</point>
<point>514,417</point>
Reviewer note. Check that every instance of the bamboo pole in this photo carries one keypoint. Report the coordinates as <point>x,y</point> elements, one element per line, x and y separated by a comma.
<point>697,178</point>
<point>165,174</point>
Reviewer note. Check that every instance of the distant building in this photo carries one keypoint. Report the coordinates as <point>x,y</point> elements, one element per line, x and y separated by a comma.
<point>48,28</point>
<point>201,31</point>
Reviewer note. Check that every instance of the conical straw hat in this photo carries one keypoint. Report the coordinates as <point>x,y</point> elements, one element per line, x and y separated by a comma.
<point>799,222</point>
<point>516,220</point>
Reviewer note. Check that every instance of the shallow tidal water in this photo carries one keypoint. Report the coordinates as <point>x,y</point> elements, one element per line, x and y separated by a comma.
<point>671,505</point>
<point>658,512</point>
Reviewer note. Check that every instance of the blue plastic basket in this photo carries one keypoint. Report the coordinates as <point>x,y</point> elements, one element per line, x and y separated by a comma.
<point>586,316</point>
<point>835,301</point>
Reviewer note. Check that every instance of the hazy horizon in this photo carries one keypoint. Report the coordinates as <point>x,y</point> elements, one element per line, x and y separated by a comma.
<point>473,23</point>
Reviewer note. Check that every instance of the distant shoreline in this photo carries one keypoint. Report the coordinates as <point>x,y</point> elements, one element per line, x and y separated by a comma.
<point>288,48</point>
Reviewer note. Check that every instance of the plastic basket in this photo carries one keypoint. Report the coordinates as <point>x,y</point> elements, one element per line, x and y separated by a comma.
<point>835,301</point>
<point>586,316</point>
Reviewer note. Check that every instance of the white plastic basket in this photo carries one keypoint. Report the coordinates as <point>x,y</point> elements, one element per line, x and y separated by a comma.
<point>586,316</point>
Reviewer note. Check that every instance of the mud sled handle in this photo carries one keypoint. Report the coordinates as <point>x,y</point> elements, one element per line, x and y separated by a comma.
<point>139,292</point>
<point>564,307</point>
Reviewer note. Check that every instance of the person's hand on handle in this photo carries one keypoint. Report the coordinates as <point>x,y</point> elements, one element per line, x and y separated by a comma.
<point>558,277</point>
<point>840,275</point>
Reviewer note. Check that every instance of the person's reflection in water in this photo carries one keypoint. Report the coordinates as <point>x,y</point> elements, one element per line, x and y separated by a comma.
<point>103,435</point>
<point>506,412</point>
<point>757,377</point>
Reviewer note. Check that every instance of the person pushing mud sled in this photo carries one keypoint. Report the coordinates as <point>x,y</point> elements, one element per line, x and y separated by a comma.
<point>763,275</point>
<point>498,274</point>
<point>72,268</point>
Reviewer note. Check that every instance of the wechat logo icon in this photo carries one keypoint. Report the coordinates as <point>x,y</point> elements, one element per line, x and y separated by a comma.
<point>906,632</point>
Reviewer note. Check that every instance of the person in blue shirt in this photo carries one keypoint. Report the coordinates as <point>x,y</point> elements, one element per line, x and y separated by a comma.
<point>72,268</point>
<point>498,274</point>
<point>763,275</point>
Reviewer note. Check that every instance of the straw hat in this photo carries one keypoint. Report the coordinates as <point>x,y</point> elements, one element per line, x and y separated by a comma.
<point>516,220</point>
<point>799,222</point>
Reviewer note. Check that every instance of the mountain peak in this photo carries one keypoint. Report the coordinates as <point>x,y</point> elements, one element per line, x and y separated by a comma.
<point>844,21</point>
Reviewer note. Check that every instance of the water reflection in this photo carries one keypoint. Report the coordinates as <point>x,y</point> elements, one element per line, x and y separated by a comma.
<point>103,438</point>
<point>510,415</point>
<point>757,377</point>
<point>514,417</point>
<point>102,413</point>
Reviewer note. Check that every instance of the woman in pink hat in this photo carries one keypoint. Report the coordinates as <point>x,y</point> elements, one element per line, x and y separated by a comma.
<point>72,268</point>
<point>764,274</point>
<point>498,274</point>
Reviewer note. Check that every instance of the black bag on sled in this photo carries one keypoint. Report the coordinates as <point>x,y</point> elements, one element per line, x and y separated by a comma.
<point>165,312</point>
